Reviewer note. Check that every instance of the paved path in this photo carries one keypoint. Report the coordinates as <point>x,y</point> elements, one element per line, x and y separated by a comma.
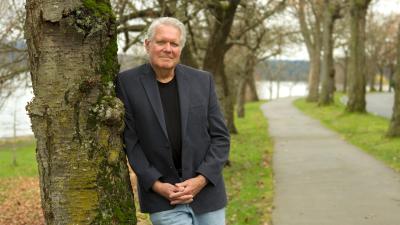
<point>322,180</point>
<point>380,104</point>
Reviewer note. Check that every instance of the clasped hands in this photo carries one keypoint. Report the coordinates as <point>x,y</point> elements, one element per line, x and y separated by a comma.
<point>180,193</point>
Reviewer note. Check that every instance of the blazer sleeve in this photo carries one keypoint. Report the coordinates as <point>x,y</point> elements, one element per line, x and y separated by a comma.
<point>218,152</point>
<point>147,173</point>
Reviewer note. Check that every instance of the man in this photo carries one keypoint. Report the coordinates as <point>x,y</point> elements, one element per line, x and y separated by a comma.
<point>175,135</point>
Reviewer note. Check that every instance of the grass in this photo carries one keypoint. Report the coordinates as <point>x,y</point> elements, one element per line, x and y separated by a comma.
<point>25,155</point>
<point>249,178</point>
<point>364,130</point>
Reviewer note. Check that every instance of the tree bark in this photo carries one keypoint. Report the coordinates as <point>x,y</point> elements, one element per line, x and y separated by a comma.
<point>241,100</point>
<point>357,71</point>
<point>252,88</point>
<point>214,58</point>
<point>394,127</point>
<point>331,13</point>
<point>345,72</point>
<point>247,82</point>
<point>76,118</point>
<point>381,76</point>
<point>187,57</point>
<point>312,38</point>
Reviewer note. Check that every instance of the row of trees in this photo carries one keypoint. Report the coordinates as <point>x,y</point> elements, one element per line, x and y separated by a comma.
<point>365,53</point>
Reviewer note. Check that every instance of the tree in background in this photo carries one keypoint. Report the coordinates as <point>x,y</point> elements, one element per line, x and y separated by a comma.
<point>255,39</point>
<point>309,14</point>
<point>76,118</point>
<point>357,71</point>
<point>330,14</point>
<point>380,48</point>
<point>13,53</point>
<point>394,127</point>
<point>224,13</point>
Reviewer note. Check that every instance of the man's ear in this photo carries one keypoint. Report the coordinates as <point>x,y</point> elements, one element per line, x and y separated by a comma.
<point>146,44</point>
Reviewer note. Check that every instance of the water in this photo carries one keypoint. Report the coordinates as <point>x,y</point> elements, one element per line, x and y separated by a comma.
<point>15,107</point>
<point>267,90</point>
<point>17,102</point>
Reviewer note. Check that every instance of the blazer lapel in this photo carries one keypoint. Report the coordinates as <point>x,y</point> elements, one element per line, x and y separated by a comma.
<point>150,85</point>
<point>184,95</point>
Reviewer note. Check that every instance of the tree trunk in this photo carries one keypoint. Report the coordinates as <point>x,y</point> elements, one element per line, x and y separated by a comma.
<point>214,58</point>
<point>187,57</point>
<point>394,127</point>
<point>251,84</point>
<point>345,72</point>
<point>371,67</point>
<point>241,99</point>
<point>331,11</point>
<point>312,38</point>
<point>381,76</point>
<point>357,71</point>
<point>247,82</point>
<point>391,79</point>
<point>250,81</point>
<point>314,76</point>
<point>76,118</point>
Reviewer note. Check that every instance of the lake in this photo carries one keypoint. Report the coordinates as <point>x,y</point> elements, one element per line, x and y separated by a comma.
<point>14,108</point>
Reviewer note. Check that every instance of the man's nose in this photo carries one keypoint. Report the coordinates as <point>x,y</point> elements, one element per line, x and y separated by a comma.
<point>167,47</point>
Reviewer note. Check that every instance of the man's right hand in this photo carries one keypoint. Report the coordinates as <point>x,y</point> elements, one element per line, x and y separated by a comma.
<point>168,191</point>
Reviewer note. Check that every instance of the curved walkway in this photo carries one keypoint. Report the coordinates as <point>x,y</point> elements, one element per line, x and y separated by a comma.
<point>323,180</point>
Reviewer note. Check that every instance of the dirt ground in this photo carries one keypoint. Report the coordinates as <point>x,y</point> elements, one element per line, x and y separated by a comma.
<point>20,202</point>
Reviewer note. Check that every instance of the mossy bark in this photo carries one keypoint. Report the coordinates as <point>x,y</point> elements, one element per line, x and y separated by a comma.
<point>357,71</point>
<point>76,118</point>
<point>394,127</point>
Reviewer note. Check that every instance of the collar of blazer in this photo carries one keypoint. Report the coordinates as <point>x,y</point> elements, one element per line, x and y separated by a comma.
<point>149,82</point>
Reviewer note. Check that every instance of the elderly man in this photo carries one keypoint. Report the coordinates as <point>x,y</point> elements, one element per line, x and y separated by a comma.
<point>175,135</point>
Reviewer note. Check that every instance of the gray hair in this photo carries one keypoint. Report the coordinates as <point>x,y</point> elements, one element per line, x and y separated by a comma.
<point>170,21</point>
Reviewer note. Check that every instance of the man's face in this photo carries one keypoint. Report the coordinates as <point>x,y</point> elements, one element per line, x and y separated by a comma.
<point>164,48</point>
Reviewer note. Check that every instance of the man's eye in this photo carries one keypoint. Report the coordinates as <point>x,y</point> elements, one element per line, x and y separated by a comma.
<point>174,44</point>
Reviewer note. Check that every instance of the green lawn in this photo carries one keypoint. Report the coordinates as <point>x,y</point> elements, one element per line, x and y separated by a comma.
<point>366,131</point>
<point>249,178</point>
<point>25,155</point>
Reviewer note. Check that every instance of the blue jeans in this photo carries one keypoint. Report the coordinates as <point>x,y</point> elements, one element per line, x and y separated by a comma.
<point>184,215</point>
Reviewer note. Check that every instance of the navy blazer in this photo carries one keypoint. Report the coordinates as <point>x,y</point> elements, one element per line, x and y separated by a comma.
<point>205,137</point>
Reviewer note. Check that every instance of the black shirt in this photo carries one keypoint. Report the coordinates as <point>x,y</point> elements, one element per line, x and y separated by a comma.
<point>172,115</point>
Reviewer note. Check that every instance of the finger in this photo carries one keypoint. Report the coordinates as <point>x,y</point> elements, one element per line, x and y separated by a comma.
<point>182,184</point>
<point>179,189</point>
<point>176,202</point>
<point>182,198</point>
<point>178,194</point>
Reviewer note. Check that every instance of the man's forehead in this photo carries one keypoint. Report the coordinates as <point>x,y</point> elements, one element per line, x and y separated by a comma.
<point>168,27</point>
